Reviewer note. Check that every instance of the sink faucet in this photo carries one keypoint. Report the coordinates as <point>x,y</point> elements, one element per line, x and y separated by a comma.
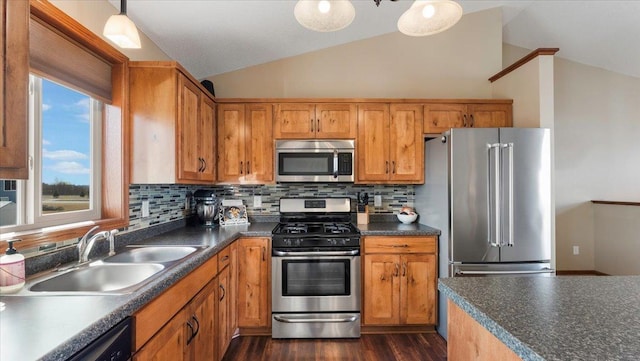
<point>85,246</point>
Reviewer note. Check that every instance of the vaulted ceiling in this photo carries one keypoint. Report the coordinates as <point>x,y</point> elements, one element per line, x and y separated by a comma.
<point>211,37</point>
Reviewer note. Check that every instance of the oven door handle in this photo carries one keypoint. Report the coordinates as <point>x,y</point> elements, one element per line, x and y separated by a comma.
<point>315,320</point>
<point>354,252</point>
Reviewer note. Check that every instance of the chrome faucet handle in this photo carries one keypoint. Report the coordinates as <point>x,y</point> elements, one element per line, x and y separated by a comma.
<point>82,243</point>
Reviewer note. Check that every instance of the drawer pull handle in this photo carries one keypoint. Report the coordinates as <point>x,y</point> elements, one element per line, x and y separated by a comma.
<point>400,245</point>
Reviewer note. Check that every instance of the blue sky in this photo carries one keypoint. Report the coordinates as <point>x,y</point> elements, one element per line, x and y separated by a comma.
<point>65,134</point>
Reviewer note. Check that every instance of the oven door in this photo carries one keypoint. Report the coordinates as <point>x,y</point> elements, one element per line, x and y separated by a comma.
<point>316,281</point>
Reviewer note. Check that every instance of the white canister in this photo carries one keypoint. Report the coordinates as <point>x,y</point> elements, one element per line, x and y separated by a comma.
<point>11,270</point>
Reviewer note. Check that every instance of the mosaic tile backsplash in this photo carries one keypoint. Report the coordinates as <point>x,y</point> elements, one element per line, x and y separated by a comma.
<point>169,203</point>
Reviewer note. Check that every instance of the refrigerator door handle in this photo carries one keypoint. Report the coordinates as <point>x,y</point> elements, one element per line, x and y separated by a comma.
<point>493,195</point>
<point>509,204</point>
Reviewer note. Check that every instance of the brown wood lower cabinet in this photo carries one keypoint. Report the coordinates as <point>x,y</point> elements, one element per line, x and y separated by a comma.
<point>254,284</point>
<point>399,285</point>
<point>189,335</point>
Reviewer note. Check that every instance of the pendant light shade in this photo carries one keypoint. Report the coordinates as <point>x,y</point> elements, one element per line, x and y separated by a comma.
<point>121,30</point>
<point>324,15</point>
<point>429,17</point>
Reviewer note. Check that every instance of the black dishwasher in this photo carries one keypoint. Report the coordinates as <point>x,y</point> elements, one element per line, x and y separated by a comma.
<point>114,345</point>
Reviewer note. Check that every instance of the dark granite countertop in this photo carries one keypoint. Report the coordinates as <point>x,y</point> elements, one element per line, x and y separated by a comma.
<point>555,318</point>
<point>56,327</point>
<point>396,229</point>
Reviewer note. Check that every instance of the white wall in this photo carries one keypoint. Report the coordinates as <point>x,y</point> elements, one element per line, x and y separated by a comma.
<point>452,64</point>
<point>617,239</point>
<point>597,153</point>
<point>94,14</point>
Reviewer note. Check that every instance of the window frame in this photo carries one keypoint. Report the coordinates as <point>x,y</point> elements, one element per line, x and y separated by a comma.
<point>115,136</point>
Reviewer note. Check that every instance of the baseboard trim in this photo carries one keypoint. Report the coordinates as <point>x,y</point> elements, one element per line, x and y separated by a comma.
<point>581,273</point>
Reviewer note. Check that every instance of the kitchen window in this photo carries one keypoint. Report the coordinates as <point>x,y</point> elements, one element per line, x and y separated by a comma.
<point>96,73</point>
<point>64,152</point>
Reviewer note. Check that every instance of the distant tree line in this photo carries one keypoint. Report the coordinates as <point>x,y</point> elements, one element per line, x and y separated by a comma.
<point>60,188</point>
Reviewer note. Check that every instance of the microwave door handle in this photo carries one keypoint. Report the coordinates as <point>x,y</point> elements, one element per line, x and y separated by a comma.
<point>335,163</point>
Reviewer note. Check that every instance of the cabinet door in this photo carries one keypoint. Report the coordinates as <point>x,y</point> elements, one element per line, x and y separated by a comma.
<point>201,316</point>
<point>254,259</point>
<point>169,344</point>
<point>381,289</point>
<point>207,139</point>
<point>490,115</point>
<point>14,24</point>
<point>233,288</point>
<point>406,145</point>
<point>259,147</point>
<point>223,335</point>
<point>372,144</point>
<point>188,124</point>
<point>418,289</point>
<point>336,121</point>
<point>231,144</point>
<point>439,118</point>
<point>294,121</point>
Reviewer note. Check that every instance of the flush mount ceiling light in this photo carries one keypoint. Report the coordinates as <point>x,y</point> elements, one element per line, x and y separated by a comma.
<point>324,15</point>
<point>121,30</point>
<point>424,17</point>
<point>429,17</point>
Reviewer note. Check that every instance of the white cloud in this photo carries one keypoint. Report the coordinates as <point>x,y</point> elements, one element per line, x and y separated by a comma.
<point>84,105</point>
<point>64,154</point>
<point>69,168</point>
<point>45,142</point>
<point>45,107</point>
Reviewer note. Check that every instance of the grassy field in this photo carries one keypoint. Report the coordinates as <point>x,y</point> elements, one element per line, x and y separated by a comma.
<point>64,204</point>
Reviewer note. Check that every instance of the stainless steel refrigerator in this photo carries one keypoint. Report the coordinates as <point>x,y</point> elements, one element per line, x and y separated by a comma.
<point>489,192</point>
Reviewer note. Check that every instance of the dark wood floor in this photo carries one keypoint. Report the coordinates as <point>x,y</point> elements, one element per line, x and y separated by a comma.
<point>400,347</point>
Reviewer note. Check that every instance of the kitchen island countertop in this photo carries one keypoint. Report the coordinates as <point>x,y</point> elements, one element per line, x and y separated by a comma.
<point>555,318</point>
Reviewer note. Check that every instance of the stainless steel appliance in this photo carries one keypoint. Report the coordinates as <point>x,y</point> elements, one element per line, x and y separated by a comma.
<point>206,207</point>
<point>315,270</point>
<point>489,192</point>
<point>315,160</point>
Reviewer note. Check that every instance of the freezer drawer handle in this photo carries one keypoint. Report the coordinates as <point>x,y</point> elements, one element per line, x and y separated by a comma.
<point>315,320</point>
<point>546,270</point>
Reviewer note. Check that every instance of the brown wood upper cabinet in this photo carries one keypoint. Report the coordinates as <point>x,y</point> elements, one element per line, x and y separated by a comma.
<point>245,144</point>
<point>400,276</point>
<point>321,121</point>
<point>390,144</point>
<point>441,117</point>
<point>14,24</point>
<point>172,123</point>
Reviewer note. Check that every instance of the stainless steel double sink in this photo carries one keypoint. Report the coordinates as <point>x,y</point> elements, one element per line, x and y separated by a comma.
<point>121,273</point>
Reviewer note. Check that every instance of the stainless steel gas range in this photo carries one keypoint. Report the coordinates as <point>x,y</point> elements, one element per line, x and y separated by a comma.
<point>315,270</point>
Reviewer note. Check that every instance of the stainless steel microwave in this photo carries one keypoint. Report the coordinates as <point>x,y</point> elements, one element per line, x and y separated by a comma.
<point>315,160</point>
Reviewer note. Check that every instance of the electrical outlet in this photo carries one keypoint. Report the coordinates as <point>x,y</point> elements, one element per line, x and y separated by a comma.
<point>145,208</point>
<point>576,250</point>
<point>257,201</point>
<point>377,200</point>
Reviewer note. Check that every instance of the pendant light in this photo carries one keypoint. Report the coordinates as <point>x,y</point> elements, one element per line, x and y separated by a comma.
<point>324,15</point>
<point>429,17</point>
<point>121,30</point>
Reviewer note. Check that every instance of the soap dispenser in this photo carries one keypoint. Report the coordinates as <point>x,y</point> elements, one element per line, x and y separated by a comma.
<point>11,270</point>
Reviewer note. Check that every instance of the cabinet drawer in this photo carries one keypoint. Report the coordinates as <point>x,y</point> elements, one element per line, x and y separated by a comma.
<point>400,244</point>
<point>224,258</point>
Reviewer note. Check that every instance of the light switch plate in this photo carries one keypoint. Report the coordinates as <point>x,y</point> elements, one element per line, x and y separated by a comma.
<point>145,208</point>
<point>257,201</point>
<point>377,201</point>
